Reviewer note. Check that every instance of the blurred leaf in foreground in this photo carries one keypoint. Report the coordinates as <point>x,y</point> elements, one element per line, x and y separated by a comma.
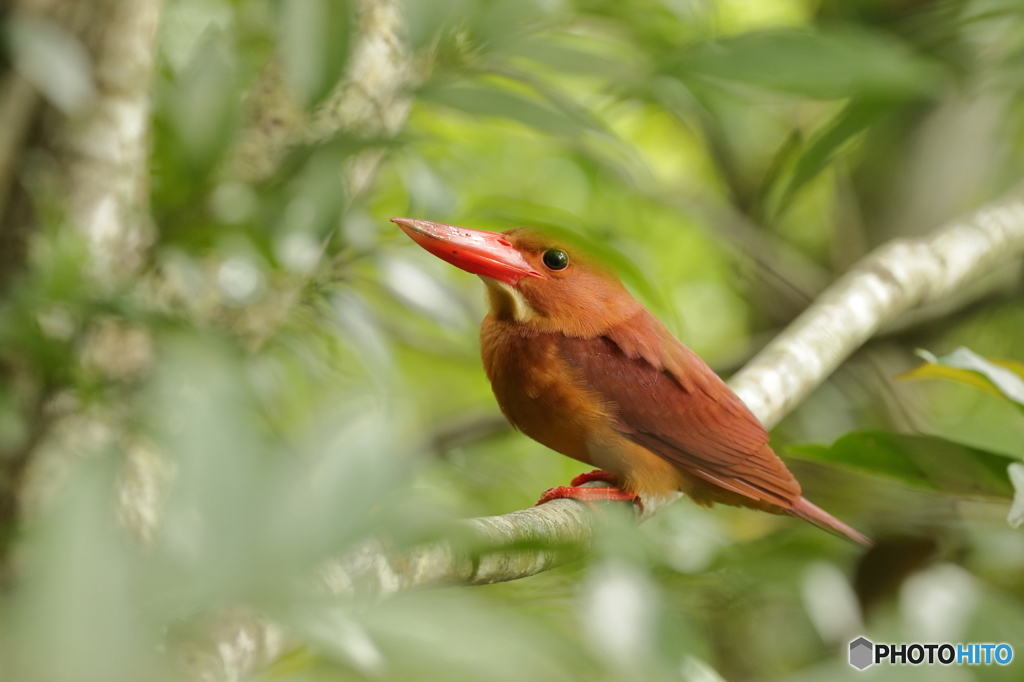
<point>490,101</point>
<point>923,461</point>
<point>1016,516</point>
<point>314,45</point>
<point>816,154</point>
<point>817,64</point>
<point>995,375</point>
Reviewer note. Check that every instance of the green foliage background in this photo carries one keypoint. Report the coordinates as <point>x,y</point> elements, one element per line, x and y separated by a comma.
<point>309,377</point>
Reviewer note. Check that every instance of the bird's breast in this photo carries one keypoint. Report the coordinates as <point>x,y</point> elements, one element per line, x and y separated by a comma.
<point>539,392</point>
<point>549,400</point>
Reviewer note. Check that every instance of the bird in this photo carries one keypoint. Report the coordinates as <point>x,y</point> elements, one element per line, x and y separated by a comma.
<point>579,365</point>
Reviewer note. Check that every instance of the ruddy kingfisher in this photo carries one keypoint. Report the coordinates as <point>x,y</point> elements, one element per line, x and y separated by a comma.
<point>579,365</point>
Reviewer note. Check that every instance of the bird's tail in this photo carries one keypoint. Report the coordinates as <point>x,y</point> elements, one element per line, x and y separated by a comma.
<point>822,519</point>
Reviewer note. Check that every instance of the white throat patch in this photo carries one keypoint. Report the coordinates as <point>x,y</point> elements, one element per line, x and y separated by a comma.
<point>521,308</point>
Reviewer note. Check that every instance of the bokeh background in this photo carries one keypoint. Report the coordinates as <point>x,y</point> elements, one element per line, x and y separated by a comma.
<point>284,373</point>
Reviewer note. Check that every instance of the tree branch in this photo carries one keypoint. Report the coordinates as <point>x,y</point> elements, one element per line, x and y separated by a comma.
<point>494,549</point>
<point>104,153</point>
<point>896,278</point>
<point>372,100</point>
<point>101,145</point>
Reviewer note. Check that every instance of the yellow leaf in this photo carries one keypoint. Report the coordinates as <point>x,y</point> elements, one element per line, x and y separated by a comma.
<point>1012,365</point>
<point>931,370</point>
<point>1001,377</point>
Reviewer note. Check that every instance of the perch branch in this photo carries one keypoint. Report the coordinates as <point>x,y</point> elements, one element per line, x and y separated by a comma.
<point>893,280</point>
<point>506,547</point>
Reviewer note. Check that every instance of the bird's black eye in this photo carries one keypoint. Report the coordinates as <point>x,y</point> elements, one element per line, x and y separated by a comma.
<point>554,259</point>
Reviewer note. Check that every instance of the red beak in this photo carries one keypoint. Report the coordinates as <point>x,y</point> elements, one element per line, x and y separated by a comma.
<point>476,251</point>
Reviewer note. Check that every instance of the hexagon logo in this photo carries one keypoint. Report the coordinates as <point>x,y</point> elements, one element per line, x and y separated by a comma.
<point>861,650</point>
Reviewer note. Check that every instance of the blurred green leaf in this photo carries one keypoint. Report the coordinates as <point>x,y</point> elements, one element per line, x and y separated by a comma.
<point>819,153</point>
<point>923,461</point>
<point>484,25</point>
<point>997,376</point>
<point>820,64</point>
<point>202,103</point>
<point>490,101</point>
<point>427,18</point>
<point>53,59</point>
<point>569,59</point>
<point>557,97</point>
<point>77,598</point>
<point>1016,516</point>
<point>314,42</point>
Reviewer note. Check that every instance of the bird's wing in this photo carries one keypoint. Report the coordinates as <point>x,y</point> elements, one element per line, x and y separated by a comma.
<point>666,399</point>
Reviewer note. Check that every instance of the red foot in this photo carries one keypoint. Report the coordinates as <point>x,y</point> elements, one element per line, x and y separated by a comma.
<point>590,495</point>
<point>595,475</point>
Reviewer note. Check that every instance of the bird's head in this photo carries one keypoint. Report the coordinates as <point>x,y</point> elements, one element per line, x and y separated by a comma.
<point>532,278</point>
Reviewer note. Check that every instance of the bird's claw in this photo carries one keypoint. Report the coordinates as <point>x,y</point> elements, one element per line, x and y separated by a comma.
<point>590,495</point>
<point>596,475</point>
